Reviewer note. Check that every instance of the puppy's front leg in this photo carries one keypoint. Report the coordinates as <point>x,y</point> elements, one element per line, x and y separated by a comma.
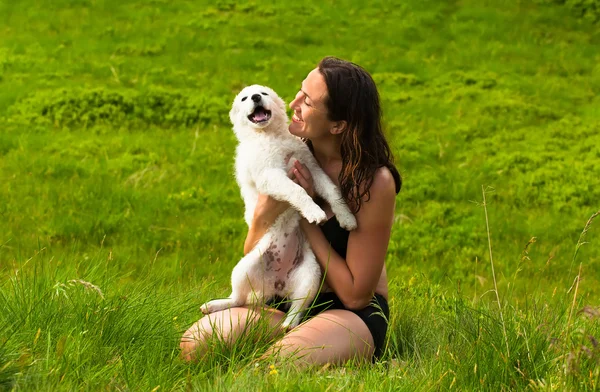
<point>331,193</point>
<point>276,183</point>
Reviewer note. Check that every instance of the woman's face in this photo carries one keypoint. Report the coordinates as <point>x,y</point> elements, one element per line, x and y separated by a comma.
<point>310,114</point>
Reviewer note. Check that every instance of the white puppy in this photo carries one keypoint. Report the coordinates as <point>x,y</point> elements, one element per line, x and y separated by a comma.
<point>282,264</point>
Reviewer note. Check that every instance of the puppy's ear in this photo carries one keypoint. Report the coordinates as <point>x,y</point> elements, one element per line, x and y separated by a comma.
<point>281,104</point>
<point>233,113</point>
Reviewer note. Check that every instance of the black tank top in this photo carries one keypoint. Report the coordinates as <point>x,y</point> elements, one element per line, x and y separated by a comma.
<point>337,237</point>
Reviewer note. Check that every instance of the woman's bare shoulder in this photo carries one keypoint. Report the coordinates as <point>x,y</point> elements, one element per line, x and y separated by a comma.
<point>383,184</point>
<point>382,196</point>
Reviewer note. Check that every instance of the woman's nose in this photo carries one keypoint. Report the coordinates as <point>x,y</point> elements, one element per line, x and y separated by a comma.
<point>294,102</point>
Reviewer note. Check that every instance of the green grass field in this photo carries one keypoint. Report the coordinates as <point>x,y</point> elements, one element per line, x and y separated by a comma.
<point>120,215</point>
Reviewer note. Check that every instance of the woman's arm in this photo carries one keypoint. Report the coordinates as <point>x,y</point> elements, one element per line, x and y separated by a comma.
<point>354,279</point>
<point>266,212</point>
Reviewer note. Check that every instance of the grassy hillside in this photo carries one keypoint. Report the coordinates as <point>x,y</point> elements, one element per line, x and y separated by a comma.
<point>119,213</point>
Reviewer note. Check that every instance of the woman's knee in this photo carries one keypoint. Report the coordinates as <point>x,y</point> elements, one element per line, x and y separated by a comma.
<point>188,348</point>
<point>226,326</point>
<point>193,342</point>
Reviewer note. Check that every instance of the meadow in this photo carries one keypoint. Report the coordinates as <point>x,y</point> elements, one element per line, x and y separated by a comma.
<point>120,215</point>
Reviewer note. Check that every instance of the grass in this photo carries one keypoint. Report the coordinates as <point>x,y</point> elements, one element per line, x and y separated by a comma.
<point>119,213</point>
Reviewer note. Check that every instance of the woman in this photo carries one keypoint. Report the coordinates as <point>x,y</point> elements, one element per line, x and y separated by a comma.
<point>337,112</point>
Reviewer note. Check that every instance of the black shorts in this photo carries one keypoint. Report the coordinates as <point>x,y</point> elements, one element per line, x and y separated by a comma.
<point>375,316</point>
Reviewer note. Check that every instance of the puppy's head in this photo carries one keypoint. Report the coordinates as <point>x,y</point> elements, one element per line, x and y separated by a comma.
<point>258,107</point>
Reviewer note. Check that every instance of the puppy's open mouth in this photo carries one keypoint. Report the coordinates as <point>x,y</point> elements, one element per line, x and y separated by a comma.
<point>260,115</point>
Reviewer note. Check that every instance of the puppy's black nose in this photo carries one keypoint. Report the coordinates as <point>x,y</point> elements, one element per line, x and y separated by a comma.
<point>256,98</point>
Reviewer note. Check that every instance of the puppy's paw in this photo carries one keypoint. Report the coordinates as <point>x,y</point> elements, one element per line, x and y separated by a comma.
<point>347,221</point>
<point>219,304</point>
<point>205,308</point>
<point>213,306</point>
<point>314,214</point>
<point>343,215</point>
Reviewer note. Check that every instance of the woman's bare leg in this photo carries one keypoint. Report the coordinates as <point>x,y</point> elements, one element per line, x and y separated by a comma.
<point>228,325</point>
<point>334,336</point>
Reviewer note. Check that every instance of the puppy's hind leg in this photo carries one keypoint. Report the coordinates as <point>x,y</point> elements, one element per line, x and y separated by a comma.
<point>306,282</point>
<point>241,284</point>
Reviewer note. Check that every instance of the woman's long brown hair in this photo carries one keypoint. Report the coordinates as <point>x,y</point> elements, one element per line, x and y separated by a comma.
<point>353,97</point>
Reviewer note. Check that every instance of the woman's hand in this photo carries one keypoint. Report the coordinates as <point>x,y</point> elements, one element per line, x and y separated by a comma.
<point>265,213</point>
<point>268,209</point>
<point>302,176</point>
